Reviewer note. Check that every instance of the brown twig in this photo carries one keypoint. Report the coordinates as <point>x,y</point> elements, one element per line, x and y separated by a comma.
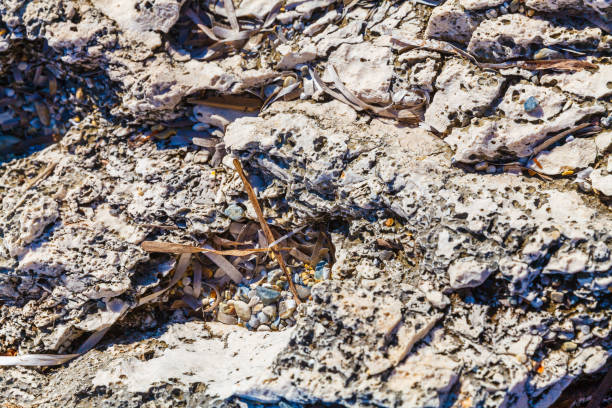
<point>266,228</point>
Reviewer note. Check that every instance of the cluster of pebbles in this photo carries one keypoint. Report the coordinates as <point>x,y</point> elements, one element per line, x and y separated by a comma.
<point>262,300</point>
<point>41,99</point>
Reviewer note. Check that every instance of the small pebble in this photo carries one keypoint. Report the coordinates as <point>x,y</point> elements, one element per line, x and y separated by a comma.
<point>491,13</point>
<point>286,308</point>
<point>274,275</point>
<point>257,308</point>
<point>253,322</point>
<point>303,292</point>
<point>537,303</point>
<point>481,166</point>
<point>254,299</point>
<point>289,81</point>
<point>226,319</point>
<point>531,104</point>
<point>514,6</point>
<point>557,297</point>
<point>234,212</point>
<point>267,295</point>
<point>606,122</point>
<point>243,310</point>
<point>275,325</point>
<point>263,328</point>
<point>530,12</point>
<point>200,127</point>
<point>322,271</point>
<point>263,318</point>
<point>569,346</point>
<point>491,169</point>
<point>269,311</point>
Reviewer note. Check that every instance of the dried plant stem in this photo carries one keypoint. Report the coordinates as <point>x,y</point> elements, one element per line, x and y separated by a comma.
<point>266,228</point>
<point>558,137</point>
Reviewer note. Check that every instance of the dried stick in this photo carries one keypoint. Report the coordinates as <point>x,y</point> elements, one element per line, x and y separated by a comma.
<point>558,137</point>
<point>266,228</point>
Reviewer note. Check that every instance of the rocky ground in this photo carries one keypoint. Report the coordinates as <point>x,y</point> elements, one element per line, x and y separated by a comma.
<point>455,155</point>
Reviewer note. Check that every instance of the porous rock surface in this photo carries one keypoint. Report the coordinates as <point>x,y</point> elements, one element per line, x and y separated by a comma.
<point>487,289</point>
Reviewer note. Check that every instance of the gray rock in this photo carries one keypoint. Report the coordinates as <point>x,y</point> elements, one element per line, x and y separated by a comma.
<point>267,295</point>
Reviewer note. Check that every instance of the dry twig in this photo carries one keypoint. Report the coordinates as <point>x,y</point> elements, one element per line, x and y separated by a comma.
<point>266,228</point>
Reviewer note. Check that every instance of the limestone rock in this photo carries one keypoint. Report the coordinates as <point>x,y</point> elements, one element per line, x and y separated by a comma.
<point>514,35</point>
<point>583,83</point>
<point>574,155</point>
<point>450,22</point>
<point>502,137</point>
<point>549,103</point>
<point>601,179</point>
<point>603,141</point>
<point>364,69</point>
<point>480,4</point>
<point>142,21</point>
<point>463,91</point>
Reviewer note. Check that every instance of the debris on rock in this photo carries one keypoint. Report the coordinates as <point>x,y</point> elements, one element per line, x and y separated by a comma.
<point>305,203</point>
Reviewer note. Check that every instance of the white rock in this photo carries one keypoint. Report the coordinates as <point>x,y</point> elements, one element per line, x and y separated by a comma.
<point>467,273</point>
<point>256,8</point>
<point>427,375</point>
<point>243,311</point>
<point>463,92</point>
<point>501,137</point>
<point>423,74</point>
<point>286,308</point>
<point>514,35</point>
<point>603,141</point>
<point>550,102</point>
<point>450,22</point>
<point>364,69</point>
<point>224,355</point>
<point>577,154</point>
<point>142,22</point>
<point>601,179</point>
<point>290,58</point>
<point>480,4</point>
<point>585,83</point>
<point>567,262</point>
